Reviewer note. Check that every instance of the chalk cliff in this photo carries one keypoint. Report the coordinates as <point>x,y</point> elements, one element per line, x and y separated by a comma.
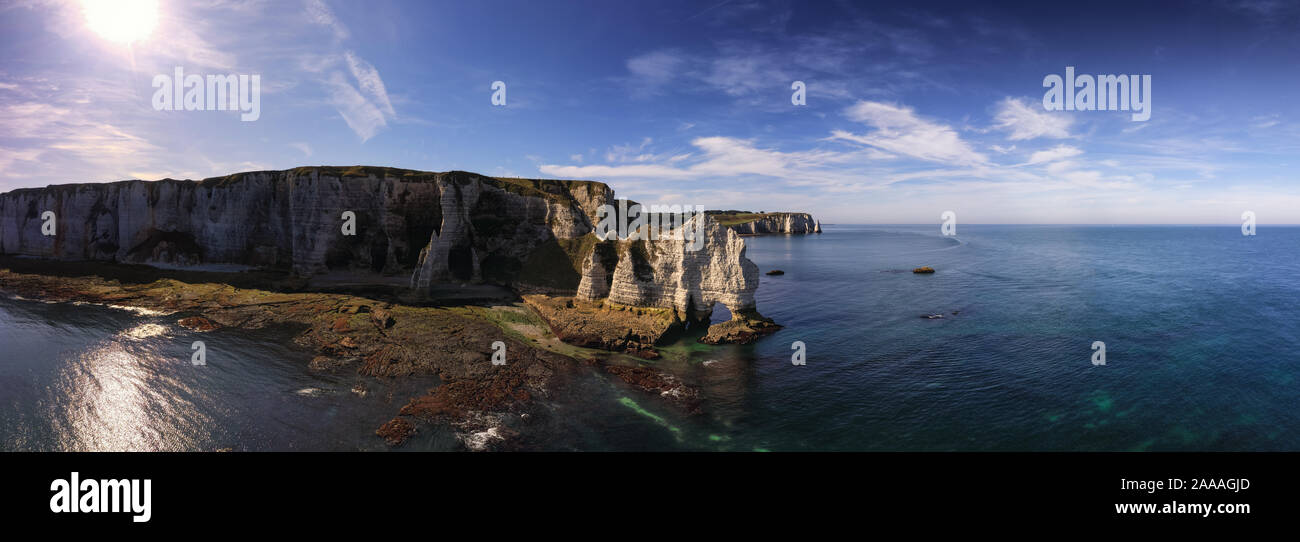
<point>534,236</point>
<point>750,223</point>
<point>667,273</point>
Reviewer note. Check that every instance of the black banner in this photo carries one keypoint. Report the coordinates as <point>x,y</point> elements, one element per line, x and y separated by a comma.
<point>329,490</point>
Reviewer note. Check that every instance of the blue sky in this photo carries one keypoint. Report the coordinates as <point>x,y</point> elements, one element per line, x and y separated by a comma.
<point>913,108</point>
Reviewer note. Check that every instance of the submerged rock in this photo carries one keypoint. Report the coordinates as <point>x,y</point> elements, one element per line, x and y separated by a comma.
<point>742,328</point>
<point>197,323</point>
<point>396,431</point>
<point>776,272</point>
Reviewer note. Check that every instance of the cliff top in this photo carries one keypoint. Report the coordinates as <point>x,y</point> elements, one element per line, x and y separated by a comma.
<point>733,217</point>
<point>533,187</point>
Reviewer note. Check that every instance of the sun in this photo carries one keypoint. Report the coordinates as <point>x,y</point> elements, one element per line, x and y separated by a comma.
<point>121,21</point>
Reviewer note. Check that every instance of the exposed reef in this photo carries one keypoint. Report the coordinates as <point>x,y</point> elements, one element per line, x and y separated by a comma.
<point>374,338</point>
<point>742,328</point>
<point>596,324</point>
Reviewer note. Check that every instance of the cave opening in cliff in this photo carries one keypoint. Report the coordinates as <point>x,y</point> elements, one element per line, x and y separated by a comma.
<point>379,254</point>
<point>460,263</point>
<point>700,318</point>
<point>720,313</point>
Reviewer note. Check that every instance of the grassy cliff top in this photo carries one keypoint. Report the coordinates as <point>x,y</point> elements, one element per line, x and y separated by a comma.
<point>534,187</point>
<point>731,218</point>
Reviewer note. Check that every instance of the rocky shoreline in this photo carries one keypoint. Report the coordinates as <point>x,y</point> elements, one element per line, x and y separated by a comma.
<point>389,272</point>
<point>484,403</point>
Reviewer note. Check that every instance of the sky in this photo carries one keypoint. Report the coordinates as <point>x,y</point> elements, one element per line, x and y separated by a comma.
<point>911,108</point>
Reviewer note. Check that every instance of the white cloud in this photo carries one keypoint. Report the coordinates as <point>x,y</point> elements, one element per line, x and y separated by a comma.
<point>321,14</point>
<point>363,117</point>
<point>85,143</point>
<point>655,68</point>
<point>1025,121</point>
<point>615,171</point>
<point>368,77</point>
<point>365,106</point>
<point>740,75</point>
<point>1059,152</point>
<point>727,157</point>
<point>302,147</point>
<point>899,130</point>
<point>9,156</point>
<point>1261,122</point>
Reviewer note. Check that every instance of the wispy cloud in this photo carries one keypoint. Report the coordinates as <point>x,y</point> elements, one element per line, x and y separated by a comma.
<point>371,84</point>
<point>1059,152</point>
<point>1023,120</point>
<point>361,101</point>
<point>361,115</point>
<point>321,14</point>
<point>899,130</point>
<point>720,158</point>
<point>650,72</point>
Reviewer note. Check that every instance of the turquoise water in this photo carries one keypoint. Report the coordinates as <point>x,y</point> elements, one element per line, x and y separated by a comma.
<point>1201,326</point>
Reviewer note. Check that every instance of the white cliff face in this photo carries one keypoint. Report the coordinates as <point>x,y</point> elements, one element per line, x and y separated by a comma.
<point>789,223</point>
<point>666,273</point>
<point>292,220</point>
<point>489,231</point>
<point>433,227</point>
<point>596,274</point>
<point>284,219</point>
<point>453,233</point>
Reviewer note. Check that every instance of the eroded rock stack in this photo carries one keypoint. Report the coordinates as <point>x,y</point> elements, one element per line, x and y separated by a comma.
<point>667,273</point>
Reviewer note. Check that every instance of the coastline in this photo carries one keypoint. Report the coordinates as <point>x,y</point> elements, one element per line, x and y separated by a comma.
<point>484,403</point>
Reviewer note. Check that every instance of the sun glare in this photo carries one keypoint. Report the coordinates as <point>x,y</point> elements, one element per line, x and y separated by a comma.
<point>121,21</point>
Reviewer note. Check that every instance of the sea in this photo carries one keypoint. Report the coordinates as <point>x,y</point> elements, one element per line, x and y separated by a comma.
<point>1030,338</point>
